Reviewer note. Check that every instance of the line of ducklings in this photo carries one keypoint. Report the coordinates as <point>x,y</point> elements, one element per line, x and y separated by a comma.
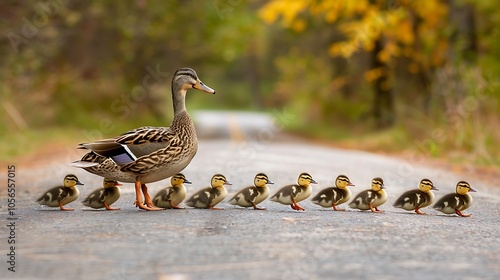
<point>207,198</point>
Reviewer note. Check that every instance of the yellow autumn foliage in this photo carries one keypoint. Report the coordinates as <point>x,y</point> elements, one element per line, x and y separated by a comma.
<point>364,21</point>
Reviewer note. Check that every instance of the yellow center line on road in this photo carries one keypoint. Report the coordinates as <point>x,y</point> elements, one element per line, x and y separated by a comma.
<point>234,129</point>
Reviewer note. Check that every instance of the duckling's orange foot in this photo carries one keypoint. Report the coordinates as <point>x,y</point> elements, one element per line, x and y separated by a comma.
<point>336,209</point>
<point>297,207</point>
<point>109,208</point>
<point>420,212</point>
<point>259,208</point>
<point>375,209</point>
<point>65,209</point>
<point>214,208</point>
<point>175,206</point>
<point>462,214</point>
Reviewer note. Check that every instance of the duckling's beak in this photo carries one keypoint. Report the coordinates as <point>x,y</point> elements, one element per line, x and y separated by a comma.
<point>118,184</point>
<point>201,86</point>
<point>186,181</point>
<point>270,182</point>
<point>227,183</point>
<point>313,182</point>
<point>472,190</point>
<point>79,183</point>
<point>434,188</point>
<point>351,184</point>
<point>383,186</point>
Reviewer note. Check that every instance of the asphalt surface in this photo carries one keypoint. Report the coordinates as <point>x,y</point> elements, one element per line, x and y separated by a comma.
<point>236,243</point>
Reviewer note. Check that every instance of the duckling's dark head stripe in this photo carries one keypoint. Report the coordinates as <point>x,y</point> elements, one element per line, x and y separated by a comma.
<point>463,184</point>
<point>71,177</point>
<point>343,178</point>
<point>219,177</point>
<point>106,180</point>
<point>180,176</point>
<point>426,182</point>
<point>378,181</point>
<point>306,176</point>
<point>261,176</point>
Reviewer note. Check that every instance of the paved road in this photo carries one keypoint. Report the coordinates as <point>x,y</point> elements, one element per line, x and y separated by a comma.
<point>235,243</point>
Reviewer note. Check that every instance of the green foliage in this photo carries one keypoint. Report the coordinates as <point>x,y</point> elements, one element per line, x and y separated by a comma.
<point>80,65</point>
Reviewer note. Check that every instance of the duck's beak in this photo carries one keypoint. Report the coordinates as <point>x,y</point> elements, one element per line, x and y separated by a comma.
<point>118,184</point>
<point>313,182</point>
<point>472,190</point>
<point>383,186</point>
<point>270,182</point>
<point>226,182</point>
<point>186,181</point>
<point>434,188</point>
<point>201,86</point>
<point>79,183</point>
<point>351,184</point>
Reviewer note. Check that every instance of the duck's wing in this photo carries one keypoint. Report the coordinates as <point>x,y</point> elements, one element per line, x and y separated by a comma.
<point>247,194</point>
<point>204,196</point>
<point>132,144</point>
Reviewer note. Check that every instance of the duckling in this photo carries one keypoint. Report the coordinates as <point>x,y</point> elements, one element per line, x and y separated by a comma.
<point>62,195</point>
<point>105,196</point>
<point>371,199</point>
<point>417,199</point>
<point>334,196</point>
<point>251,196</point>
<point>211,196</point>
<point>456,202</point>
<point>291,194</point>
<point>171,197</point>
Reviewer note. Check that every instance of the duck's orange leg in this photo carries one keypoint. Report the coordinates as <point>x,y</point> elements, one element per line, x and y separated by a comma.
<point>375,209</point>
<point>174,206</point>
<point>147,198</point>
<point>109,208</point>
<point>138,198</point>
<point>296,206</point>
<point>417,210</point>
<point>257,208</point>
<point>462,214</point>
<point>214,208</point>
<point>335,208</point>
<point>65,209</point>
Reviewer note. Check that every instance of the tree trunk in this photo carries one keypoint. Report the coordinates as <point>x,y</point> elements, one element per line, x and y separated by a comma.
<point>252,74</point>
<point>383,103</point>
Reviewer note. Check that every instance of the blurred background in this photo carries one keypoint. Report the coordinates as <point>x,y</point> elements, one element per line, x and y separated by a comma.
<point>391,76</point>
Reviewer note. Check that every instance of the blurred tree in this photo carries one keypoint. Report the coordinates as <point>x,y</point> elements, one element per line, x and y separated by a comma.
<point>388,29</point>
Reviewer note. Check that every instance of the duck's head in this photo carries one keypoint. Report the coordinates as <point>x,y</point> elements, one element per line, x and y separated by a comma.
<point>305,179</point>
<point>261,180</point>
<point>377,184</point>
<point>110,183</point>
<point>186,78</point>
<point>70,181</point>
<point>218,181</point>
<point>342,182</point>
<point>464,187</point>
<point>179,179</point>
<point>426,185</point>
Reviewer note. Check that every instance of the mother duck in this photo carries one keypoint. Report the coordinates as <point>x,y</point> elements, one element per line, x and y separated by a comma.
<point>149,154</point>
